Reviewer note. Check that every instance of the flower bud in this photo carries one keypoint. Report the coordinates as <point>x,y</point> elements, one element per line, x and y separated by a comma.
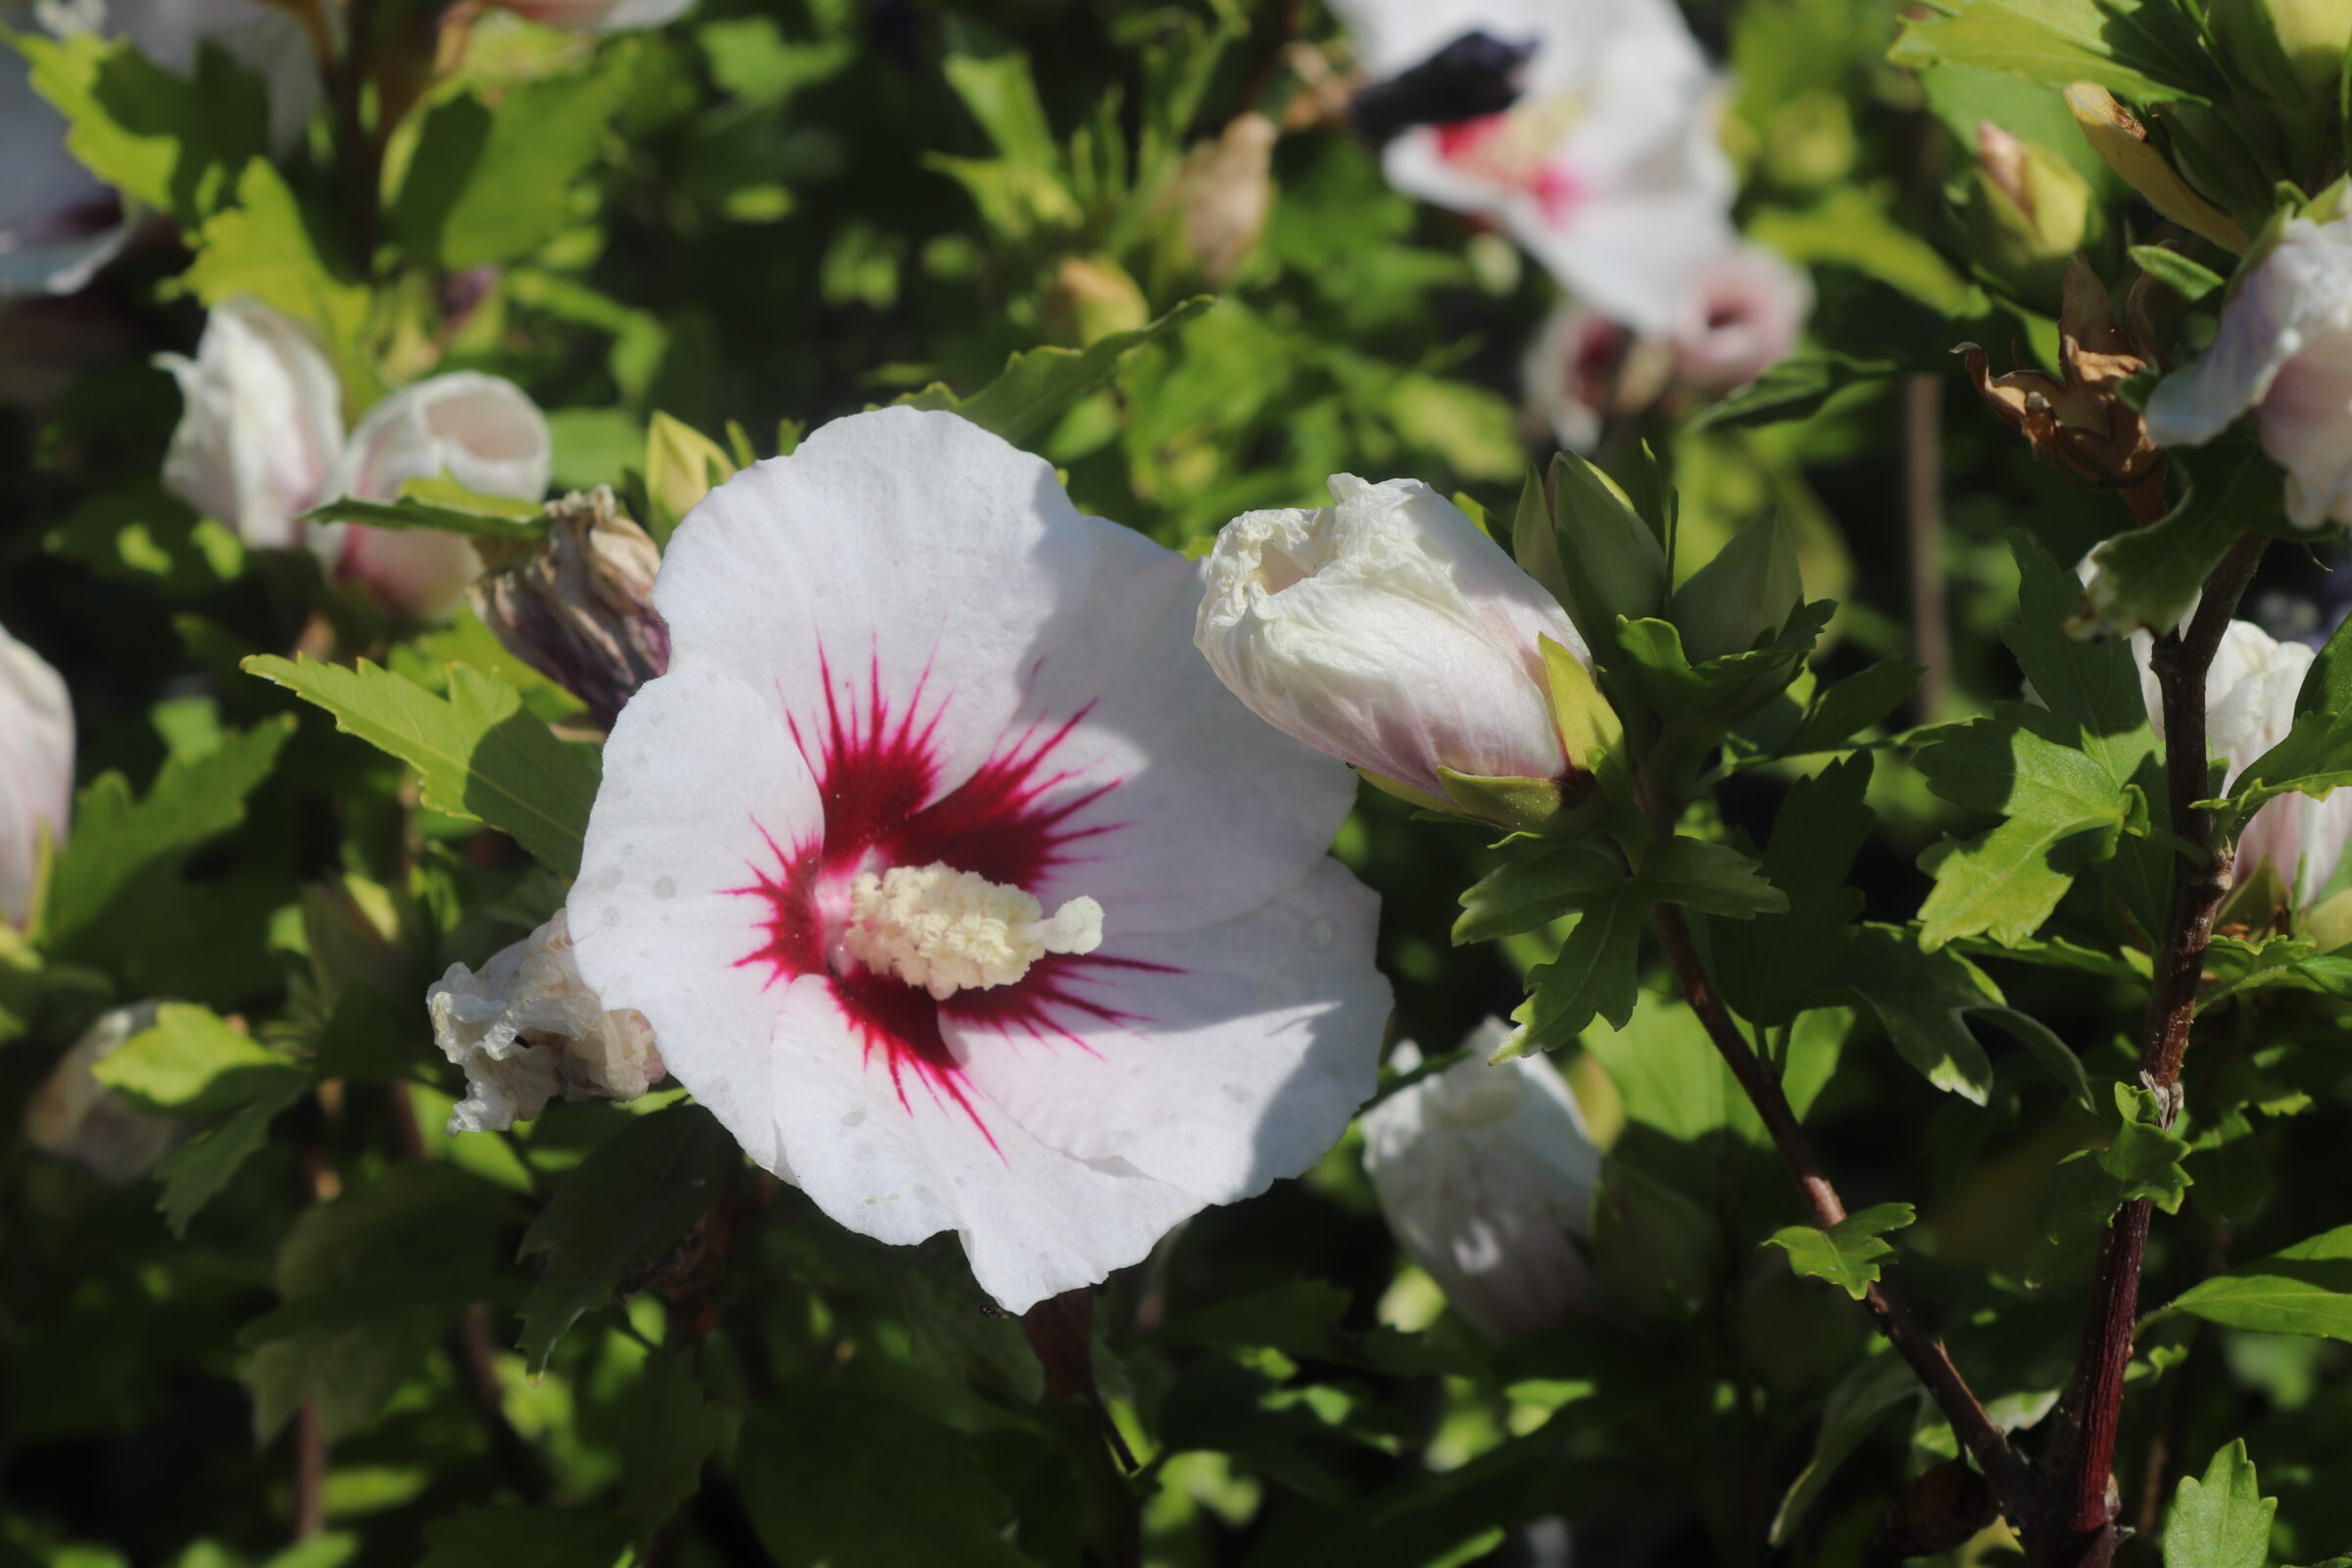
<point>261,423</point>
<point>682,464</point>
<point>1091,298</point>
<point>1484,1171</point>
<point>2122,144</point>
<point>1742,318</point>
<point>2285,350</point>
<point>578,609</point>
<point>73,1116</point>
<point>1570,373</point>
<point>36,770</point>
<point>1390,632</point>
<point>527,1028</point>
<point>1223,194</point>
<point>2026,211</point>
<point>480,431</point>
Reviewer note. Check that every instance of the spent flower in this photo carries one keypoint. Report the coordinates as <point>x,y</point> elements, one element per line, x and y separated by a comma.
<point>953,884</point>
<point>578,606</point>
<point>36,770</point>
<point>73,1116</point>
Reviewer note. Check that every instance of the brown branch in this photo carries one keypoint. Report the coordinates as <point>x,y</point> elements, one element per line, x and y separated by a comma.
<point>2002,1467</point>
<point>2078,1528</point>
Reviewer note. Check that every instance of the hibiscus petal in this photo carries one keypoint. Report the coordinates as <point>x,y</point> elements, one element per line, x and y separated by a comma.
<point>1162,760</point>
<point>832,572</point>
<point>1214,1059</point>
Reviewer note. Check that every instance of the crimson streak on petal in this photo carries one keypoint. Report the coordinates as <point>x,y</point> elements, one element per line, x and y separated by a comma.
<point>876,773</point>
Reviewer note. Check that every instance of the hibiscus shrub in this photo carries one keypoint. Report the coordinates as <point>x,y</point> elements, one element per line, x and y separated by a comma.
<point>890,785</point>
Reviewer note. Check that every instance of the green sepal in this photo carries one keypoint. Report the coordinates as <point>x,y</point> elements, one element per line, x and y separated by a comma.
<point>1611,564</point>
<point>1542,806</point>
<point>1743,596</point>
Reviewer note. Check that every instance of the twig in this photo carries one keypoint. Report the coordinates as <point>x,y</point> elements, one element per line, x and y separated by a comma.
<point>2002,1467</point>
<point>1923,526</point>
<point>310,1471</point>
<point>2082,1503</point>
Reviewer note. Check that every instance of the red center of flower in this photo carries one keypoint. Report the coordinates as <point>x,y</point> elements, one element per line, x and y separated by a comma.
<point>1482,149</point>
<point>877,775</point>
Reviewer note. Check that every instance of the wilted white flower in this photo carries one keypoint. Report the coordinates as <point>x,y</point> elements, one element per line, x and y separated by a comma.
<point>1742,318</point>
<point>2249,707</point>
<point>261,426</point>
<point>1484,1171</point>
<point>2284,352</point>
<point>953,884</point>
<point>73,1116</point>
<point>1608,168</point>
<point>36,770</point>
<point>599,16</point>
<point>1390,632</point>
<point>526,1029</point>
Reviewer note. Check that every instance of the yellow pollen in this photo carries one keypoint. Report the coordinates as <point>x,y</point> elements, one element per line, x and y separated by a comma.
<point>947,930</point>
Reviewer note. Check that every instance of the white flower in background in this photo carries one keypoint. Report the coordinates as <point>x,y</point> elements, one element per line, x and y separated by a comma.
<point>483,432</point>
<point>261,424</point>
<point>73,1116</point>
<point>2284,352</point>
<point>901,655</point>
<point>36,770</point>
<point>260,441</point>
<point>1742,317</point>
<point>599,16</point>
<point>1570,373</point>
<point>526,1029</point>
<point>2249,707</point>
<point>1608,168</point>
<point>1390,632</point>
<point>59,223</point>
<point>1483,1172</point>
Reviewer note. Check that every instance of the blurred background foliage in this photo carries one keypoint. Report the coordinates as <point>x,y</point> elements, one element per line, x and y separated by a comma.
<point>757,219</point>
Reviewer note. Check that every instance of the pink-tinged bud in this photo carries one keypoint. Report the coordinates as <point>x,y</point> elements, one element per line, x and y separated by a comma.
<point>578,608</point>
<point>2285,350</point>
<point>1571,373</point>
<point>480,431</point>
<point>1742,318</point>
<point>527,1029</point>
<point>261,424</point>
<point>599,16</point>
<point>1391,633</point>
<point>73,1116</point>
<point>36,770</point>
<point>1484,1171</point>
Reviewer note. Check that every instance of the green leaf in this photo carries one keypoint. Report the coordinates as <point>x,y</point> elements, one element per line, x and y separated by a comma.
<point>491,183</point>
<point>2328,685</point>
<point>191,1063</point>
<point>577,1537</point>
<point>170,142</point>
<point>196,1172</point>
<point>2061,813</point>
<point>479,753</point>
<point>2315,758</point>
<point>1794,389</point>
<point>1847,1254</point>
<point>1534,545</point>
<point>1768,966</point>
<point>120,843</point>
<point>1842,710</point>
<point>1861,1400</point>
<point>2221,1520</point>
<point>369,1283</point>
<point>2230,1178</point>
<point>1716,690</point>
<point>2191,280</point>
<point>1529,890</point>
<point>2306,1288</point>
<point>671,1427</point>
<point>1611,560</point>
<point>1592,977</point>
<point>409,513</point>
<point>2047,1049</point>
<point>2145,1157</point>
<point>2142,49</point>
<point>850,1480</point>
<point>1713,878</point>
<point>2152,577</point>
<point>1038,386</point>
<point>637,1194</point>
<point>1923,1001</point>
<point>264,246</point>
